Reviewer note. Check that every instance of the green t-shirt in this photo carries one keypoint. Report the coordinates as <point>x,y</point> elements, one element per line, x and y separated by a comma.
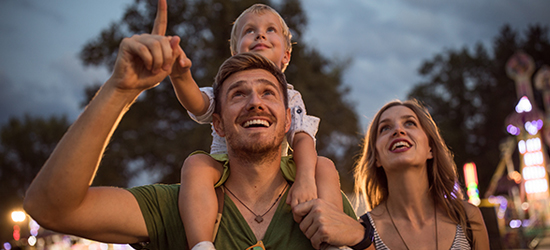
<point>159,206</point>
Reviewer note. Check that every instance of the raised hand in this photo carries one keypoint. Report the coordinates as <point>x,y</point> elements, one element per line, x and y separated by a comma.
<point>159,28</point>
<point>145,60</point>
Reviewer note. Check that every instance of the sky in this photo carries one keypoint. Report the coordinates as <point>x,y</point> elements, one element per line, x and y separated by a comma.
<point>41,74</point>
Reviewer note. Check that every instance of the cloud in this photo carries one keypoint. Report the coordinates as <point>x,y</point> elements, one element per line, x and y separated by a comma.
<point>389,40</point>
<point>61,92</point>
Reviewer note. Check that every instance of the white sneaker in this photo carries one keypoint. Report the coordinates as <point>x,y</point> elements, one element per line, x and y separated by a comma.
<point>204,245</point>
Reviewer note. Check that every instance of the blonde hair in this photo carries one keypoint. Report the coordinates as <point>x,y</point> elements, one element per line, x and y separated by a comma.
<point>371,182</point>
<point>259,9</point>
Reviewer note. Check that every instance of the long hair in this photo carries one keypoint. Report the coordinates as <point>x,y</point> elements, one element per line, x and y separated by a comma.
<point>371,182</point>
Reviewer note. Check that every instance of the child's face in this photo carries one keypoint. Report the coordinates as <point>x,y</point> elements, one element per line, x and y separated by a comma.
<point>263,34</point>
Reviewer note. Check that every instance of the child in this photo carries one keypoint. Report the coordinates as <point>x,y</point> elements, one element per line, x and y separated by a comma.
<point>258,29</point>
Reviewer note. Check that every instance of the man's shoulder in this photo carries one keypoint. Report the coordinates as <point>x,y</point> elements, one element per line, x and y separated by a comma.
<point>155,191</point>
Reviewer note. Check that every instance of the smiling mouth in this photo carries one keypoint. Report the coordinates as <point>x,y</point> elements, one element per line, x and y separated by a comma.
<point>256,123</point>
<point>400,144</point>
<point>260,46</point>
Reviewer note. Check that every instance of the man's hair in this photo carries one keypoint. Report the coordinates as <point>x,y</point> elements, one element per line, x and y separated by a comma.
<point>259,9</point>
<point>247,61</point>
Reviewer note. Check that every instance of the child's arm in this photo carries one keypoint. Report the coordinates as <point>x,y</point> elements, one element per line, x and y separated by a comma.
<point>187,90</point>
<point>197,200</point>
<point>305,157</point>
<point>316,177</point>
<point>311,170</point>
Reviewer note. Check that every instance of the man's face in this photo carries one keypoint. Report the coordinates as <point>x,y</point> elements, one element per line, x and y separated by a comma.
<point>253,117</point>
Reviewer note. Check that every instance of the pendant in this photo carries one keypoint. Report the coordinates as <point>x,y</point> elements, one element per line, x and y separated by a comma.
<point>259,219</point>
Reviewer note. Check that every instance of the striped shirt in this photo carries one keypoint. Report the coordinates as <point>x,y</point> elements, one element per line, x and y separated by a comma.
<point>459,243</point>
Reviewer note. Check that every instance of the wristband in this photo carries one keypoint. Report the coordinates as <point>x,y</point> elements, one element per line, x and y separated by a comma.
<point>369,234</point>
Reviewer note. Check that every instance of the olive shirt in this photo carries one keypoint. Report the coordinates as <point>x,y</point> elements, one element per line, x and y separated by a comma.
<point>159,206</point>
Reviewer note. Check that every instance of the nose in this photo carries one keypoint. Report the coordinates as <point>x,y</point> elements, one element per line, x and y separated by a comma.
<point>260,35</point>
<point>398,131</point>
<point>255,102</point>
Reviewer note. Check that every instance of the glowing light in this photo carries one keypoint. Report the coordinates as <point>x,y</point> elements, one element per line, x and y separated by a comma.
<point>513,130</point>
<point>525,206</point>
<point>103,246</point>
<point>524,105</point>
<point>7,246</point>
<point>534,144</point>
<point>18,216</point>
<point>503,205</point>
<point>515,223</point>
<point>33,225</point>
<point>536,186</point>
<point>533,127</point>
<point>16,233</point>
<point>534,172</point>
<point>31,241</point>
<point>470,178</point>
<point>535,158</point>
<point>522,147</point>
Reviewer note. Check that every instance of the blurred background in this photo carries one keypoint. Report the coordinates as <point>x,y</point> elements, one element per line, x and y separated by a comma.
<point>349,58</point>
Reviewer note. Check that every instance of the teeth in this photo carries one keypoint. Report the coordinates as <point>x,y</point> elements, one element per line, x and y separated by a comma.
<point>399,144</point>
<point>256,122</point>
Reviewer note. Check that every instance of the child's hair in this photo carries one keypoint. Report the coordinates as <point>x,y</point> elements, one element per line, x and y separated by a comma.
<point>247,61</point>
<point>259,9</point>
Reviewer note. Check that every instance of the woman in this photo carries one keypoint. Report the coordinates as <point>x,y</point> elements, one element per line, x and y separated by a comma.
<point>408,178</point>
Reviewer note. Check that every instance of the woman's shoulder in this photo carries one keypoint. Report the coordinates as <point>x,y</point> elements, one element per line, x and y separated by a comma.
<point>472,211</point>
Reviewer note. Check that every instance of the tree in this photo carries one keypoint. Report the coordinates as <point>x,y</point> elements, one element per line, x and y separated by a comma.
<point>470,95</point>
<point>24,147</point>
<point>156,135</point>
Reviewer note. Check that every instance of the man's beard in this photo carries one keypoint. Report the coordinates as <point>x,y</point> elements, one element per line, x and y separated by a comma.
<point>252,149</point>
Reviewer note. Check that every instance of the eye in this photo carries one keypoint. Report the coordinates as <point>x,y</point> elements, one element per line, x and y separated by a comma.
<point>383,128</point>
<point>249,31</point>
<point>271,29</point>
<point>410,123</point>
<point>237,94</point>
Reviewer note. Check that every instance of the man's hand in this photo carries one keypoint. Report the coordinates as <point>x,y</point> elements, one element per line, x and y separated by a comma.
<point>301,191</point>
<point>145,60</point>
<point>183,64</point>
<point>321,222</point>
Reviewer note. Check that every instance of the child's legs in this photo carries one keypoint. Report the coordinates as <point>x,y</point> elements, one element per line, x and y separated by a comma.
<point>197,200</point>
<point>328,182</point>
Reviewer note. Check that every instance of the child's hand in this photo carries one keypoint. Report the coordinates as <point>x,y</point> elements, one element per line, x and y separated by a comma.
<point>301,191</point>
<point>182,65</point>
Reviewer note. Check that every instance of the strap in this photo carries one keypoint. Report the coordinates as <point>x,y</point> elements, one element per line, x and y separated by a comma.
<point>369,234</point>
<point>220,194</point>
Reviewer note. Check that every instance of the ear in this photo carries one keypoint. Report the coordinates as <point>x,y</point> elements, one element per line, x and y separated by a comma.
<point>430,154</point>
<point>377,161</point>
<point>286,58</point>
<point>288,120</point>
<point>218,124</point>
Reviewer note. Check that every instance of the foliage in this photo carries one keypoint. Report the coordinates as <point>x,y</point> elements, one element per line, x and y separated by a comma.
<point>24,147</point>
<point>156,135</point>
<point>470,95</point>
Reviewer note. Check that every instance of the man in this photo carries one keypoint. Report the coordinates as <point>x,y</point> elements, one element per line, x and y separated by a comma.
<point>253,117</point>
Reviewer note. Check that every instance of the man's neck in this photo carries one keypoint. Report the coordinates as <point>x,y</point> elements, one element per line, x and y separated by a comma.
<point>255,185</point>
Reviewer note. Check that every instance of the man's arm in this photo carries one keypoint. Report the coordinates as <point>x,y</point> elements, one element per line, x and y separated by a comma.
<point>60,197</point>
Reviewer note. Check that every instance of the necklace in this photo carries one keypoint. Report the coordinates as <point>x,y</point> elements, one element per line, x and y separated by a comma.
<point>259,218</point>
<point>398,233</point>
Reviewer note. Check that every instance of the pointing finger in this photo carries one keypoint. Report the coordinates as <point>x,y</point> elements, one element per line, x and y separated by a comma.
<point>161,20</point>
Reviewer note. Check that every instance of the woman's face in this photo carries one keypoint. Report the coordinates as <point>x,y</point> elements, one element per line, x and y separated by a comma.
<point>401,141</point>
